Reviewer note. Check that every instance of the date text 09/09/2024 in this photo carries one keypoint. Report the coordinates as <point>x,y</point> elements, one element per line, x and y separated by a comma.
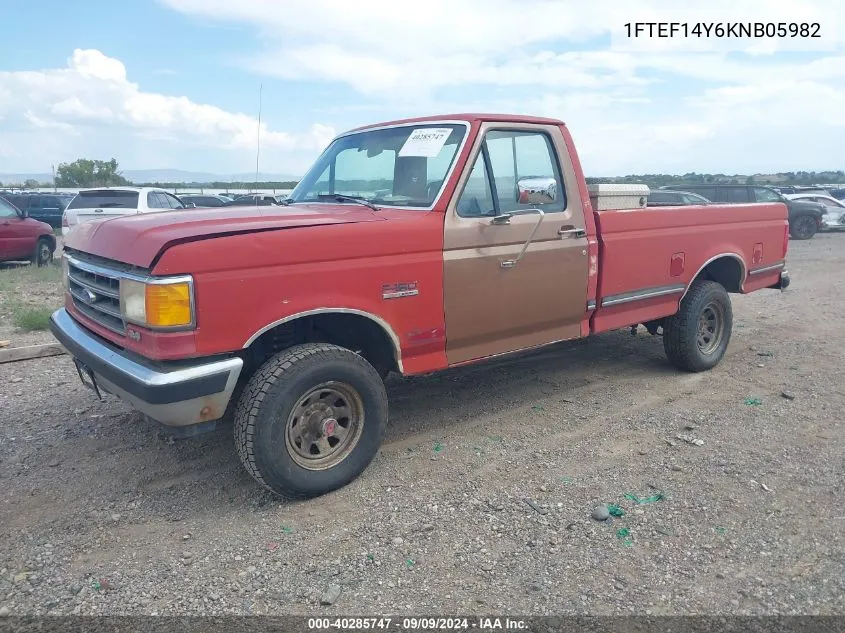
<point>416,624</point>
<point>723,29</point>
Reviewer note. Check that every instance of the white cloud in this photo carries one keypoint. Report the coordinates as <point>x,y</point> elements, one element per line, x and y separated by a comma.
<point>92,97</point>
<point>630,111</point>
<point>669,107</point>
<point>402,49</point>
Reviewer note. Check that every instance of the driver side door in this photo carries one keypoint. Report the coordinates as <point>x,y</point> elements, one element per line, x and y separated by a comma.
<point>519,280</point>
<point>15,241</point>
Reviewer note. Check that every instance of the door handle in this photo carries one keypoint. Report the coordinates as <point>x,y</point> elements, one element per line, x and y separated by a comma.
<point>571,230</point>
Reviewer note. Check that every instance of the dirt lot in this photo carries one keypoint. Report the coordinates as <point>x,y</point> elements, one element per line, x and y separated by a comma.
<point>103,514</point>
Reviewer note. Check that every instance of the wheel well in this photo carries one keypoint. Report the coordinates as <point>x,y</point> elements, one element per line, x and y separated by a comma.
<point>352,331</point>
<point>725,270</point>
<point>50,238</point>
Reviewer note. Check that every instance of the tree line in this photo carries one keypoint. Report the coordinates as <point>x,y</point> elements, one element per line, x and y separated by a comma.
<point>85,172</point>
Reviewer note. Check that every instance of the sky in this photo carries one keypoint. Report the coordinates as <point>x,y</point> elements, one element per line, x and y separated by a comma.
<point>175,84</point>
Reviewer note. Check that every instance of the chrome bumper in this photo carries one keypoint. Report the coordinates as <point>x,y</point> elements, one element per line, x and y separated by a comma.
<point>174,393</point>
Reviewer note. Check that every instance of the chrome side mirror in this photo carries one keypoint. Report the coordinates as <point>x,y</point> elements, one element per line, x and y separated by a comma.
<point>191,205</point>
<point>536,190</point>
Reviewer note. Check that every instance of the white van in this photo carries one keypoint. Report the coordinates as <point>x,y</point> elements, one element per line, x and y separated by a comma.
<point>109,202</point>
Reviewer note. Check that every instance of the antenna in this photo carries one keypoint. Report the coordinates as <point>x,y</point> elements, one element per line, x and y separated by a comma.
<point>258,139</point>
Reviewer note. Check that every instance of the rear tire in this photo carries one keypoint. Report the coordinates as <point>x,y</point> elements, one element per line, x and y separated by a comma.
<point>696,337</point>
<point>803,228</point>
<point>43,254</point>
<point>310,420</point>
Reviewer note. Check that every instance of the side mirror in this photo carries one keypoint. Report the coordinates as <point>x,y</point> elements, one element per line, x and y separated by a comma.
<point>191,205</point>
<point>536,190</point>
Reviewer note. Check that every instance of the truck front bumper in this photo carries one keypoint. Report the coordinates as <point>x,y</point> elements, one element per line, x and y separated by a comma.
<point>173,393</point>
<point>783,282</point>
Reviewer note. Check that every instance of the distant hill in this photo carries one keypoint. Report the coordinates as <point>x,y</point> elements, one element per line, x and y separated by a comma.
<point>179,175</point>
<point>164,175</point>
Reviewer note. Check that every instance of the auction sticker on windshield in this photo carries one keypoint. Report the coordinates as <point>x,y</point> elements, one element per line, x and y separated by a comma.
<point>425,141</point>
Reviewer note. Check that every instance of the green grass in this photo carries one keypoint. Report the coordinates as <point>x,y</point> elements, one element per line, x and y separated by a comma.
<point>12,276</point>
<point>31,318</point>
<point>29,295</point>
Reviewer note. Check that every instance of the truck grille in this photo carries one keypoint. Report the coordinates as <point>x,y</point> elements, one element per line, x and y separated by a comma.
<point>95,292</point>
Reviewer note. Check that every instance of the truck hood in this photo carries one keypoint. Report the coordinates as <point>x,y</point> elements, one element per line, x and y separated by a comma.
<point>138,239</point>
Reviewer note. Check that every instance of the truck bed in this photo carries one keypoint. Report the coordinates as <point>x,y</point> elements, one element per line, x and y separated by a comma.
<point>648,257</point>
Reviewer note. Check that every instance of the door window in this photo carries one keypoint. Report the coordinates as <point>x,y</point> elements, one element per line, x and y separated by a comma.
<point>155,202</point>
<point>513,166</point>
<point>736,194</point>
<point>7,211</point>
<point>172,201</point>
<point>761,194</point>
<point>477,197</point>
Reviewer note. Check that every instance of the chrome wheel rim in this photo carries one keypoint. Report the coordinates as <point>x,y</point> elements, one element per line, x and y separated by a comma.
<point>44,254</point>
<point>324,426</point>
<point>711,327</point>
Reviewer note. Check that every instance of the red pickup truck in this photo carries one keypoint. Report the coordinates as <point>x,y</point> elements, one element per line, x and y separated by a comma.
<point>410,247</point>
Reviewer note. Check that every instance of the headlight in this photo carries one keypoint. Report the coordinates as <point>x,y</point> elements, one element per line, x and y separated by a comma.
<point>158,304</point>
<point>65,279</point>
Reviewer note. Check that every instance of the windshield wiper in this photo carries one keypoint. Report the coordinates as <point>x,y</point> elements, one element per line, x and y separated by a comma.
<point>340,198</point>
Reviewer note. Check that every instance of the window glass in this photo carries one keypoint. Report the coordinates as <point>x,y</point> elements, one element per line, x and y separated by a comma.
<point>528,157</point>
<point>7,210</point>
<point>736,194</point>
<point>401,166</point>
<point>153,201</point>
<point>476,198</point>
<point>765,195</point>
<point>105,200</point>
<point>173,202</point>
<point>662,197</point>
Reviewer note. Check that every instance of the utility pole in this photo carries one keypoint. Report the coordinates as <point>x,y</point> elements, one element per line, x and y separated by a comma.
<point>53,167</point>
<point>258,139</point>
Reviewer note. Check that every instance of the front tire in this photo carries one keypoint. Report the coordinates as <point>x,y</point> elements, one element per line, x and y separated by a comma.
<point>310,420</point>
<point>43,253</point>
<point>696,337</point>
<point>804,227</point>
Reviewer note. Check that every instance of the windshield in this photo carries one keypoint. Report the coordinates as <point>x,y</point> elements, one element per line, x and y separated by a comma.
<point>400,166</point>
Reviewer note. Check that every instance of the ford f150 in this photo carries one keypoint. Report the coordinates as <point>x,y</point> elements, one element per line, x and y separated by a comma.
<point>410,247</point>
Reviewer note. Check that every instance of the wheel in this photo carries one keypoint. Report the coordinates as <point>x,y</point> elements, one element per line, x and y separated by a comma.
<point>310,420</point>
<point>696,337</point>
<point>804,227</point>
<point>43,253</point>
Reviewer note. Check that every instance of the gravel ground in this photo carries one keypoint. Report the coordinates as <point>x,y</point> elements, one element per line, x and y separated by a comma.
<point>103,513</point>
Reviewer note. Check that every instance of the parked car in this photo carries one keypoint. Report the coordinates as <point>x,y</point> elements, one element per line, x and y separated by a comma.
<point>669,198</point>
<point>306,308</point>
<point>834,218</point>
<point>24,238</point>
<point>202,200</point>
<point>112,202</point>
<point>45,207</point>
<point>262,200</point>
<point>805,218</point>
<point>837,192</point>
